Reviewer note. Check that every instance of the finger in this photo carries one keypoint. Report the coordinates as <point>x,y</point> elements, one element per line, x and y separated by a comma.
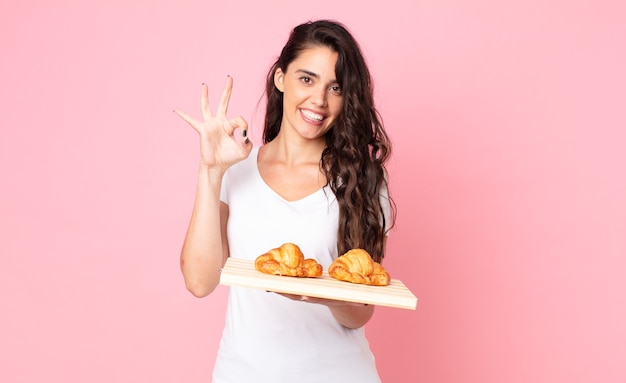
<point>190,120</point>
<point>222,108</point>
<point>244,134</point>
<point>241,124</point>
<point>238,123</point>
<point>204,102</point>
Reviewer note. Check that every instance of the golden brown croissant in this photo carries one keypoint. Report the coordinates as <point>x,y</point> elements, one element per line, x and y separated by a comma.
<point>357,266</point>
<point>287,260</point>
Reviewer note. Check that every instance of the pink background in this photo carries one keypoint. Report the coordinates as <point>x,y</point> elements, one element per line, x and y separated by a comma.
<point>509,174</point>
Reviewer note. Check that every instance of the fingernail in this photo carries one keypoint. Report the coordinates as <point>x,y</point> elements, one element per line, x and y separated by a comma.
<point>202,83</point>
<point>245,133</point>
<point>227,75</point>
<point>246,141</point>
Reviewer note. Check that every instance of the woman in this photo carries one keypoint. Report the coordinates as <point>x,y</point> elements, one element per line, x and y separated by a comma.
<point>319,182</point>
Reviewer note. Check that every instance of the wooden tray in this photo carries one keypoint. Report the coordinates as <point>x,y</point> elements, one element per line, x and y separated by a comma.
<point>241,272</point>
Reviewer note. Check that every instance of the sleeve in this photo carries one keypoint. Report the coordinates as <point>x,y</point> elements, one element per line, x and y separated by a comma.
<point>385,204</point>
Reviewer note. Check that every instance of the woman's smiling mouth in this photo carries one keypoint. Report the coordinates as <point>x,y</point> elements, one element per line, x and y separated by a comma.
<point>311,116</point>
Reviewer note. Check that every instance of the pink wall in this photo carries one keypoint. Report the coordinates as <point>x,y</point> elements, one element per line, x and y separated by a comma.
<point>509,174</point>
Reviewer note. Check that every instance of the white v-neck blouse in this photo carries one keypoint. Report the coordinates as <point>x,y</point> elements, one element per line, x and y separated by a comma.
<point>267,337</point>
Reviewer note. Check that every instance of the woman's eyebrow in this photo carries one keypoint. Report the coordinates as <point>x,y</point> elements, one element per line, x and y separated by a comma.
<point>313,74</point>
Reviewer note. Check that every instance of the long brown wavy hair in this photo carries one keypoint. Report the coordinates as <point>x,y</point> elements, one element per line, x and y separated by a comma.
<point>357,145</point>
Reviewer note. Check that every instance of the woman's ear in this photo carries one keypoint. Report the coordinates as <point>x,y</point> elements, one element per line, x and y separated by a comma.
<point>279,76</point>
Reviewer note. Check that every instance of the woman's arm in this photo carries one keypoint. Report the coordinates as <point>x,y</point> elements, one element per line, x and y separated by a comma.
<point>348,314</point>
<point>205,248</point>
<point>351,315</point>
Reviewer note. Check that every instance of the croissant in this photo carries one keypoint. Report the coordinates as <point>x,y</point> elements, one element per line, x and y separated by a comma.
<point>357,266</point>
<point>287,260</point>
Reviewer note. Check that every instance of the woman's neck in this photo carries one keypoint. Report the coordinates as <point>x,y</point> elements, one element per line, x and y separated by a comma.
<point>294,151</point>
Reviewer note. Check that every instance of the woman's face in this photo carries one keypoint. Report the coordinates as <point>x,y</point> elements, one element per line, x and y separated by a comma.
<point>312,97</point>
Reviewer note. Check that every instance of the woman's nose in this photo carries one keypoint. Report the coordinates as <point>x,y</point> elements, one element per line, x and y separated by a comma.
<point>319,98</point>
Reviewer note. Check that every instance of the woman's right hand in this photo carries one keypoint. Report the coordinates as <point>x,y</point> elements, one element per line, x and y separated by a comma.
<point>219,149</point>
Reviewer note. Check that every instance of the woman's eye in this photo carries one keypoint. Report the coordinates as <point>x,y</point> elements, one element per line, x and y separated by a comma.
<point>306,80</point>
<point>335,89</point>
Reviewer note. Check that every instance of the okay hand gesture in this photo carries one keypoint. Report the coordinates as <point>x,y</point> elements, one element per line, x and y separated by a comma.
<point>219,149</point>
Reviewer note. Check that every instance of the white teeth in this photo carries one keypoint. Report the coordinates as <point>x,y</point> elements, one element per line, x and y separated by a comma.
<point>312,116</point>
